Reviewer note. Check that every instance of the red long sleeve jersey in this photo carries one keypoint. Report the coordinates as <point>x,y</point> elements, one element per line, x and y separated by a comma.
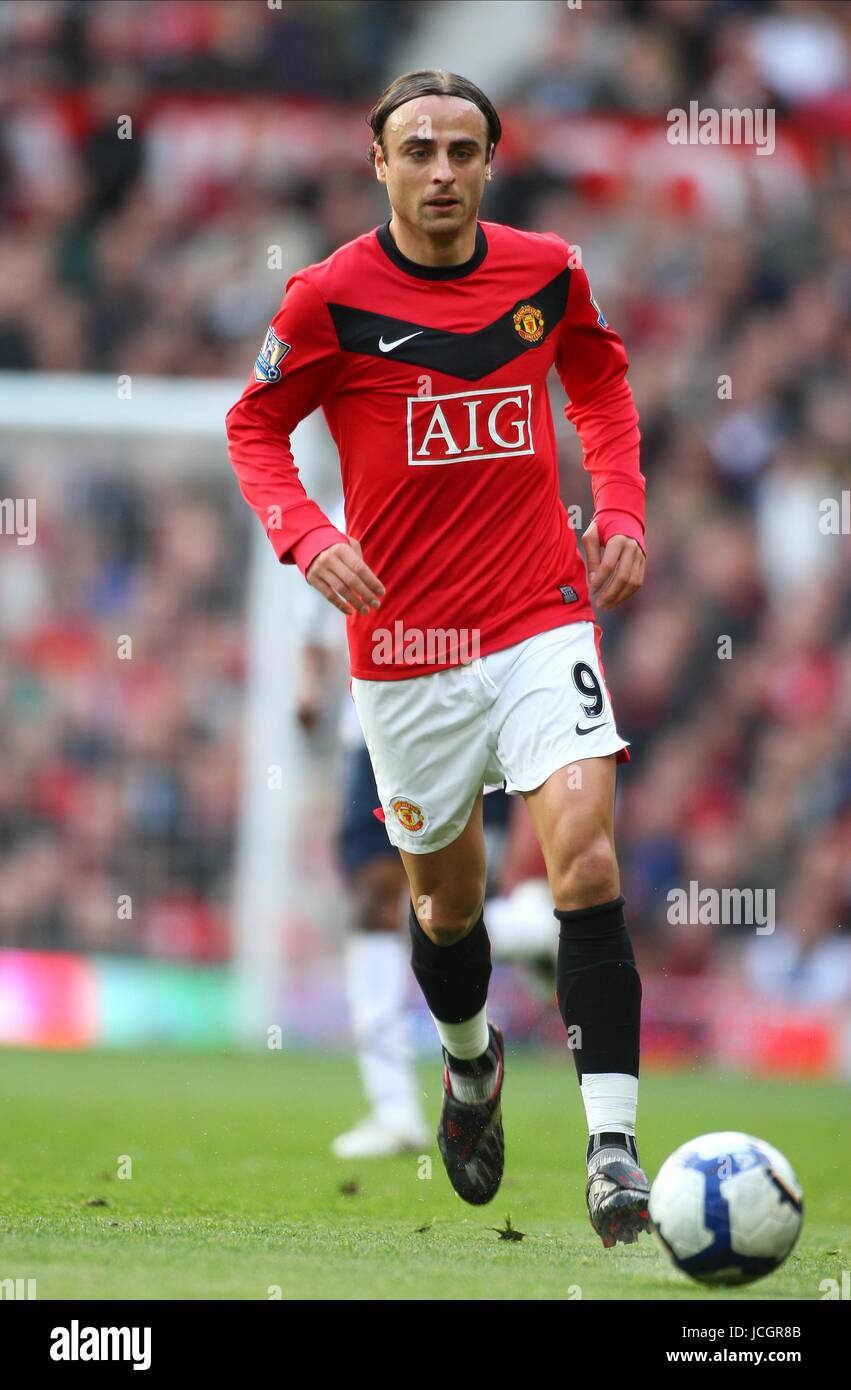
<point>433,383</point>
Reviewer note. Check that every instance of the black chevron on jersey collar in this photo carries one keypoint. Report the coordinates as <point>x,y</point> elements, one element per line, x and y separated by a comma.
<point>469,356</point>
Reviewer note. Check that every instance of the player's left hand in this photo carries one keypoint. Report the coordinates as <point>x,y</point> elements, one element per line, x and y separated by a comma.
<point>615,571</point>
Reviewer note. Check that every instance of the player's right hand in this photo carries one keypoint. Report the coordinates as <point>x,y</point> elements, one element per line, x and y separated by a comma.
<point>341,576</point>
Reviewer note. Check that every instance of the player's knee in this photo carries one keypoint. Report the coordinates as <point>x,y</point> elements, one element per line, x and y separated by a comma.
<point>447,918</point>
<point>589,876</point>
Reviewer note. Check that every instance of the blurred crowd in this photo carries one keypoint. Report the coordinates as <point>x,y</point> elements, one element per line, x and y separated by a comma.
<point>730,672</point>
<point>121,691</point>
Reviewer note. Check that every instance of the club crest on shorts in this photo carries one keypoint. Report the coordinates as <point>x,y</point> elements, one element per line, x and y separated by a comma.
<point>410,816</point>
<point>273,351</point>
<point>529,323</point>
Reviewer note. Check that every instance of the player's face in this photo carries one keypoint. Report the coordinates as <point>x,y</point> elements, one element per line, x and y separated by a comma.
<point>436,163</point>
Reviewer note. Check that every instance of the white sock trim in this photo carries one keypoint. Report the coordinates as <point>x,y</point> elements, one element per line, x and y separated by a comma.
<point>465,1040</point>
<point>611,1101</point>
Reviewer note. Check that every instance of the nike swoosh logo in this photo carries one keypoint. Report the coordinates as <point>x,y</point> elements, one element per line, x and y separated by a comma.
<point>388,347</point>
<point>590,729</point>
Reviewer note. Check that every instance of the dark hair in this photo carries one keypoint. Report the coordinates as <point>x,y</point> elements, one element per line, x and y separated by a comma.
<point>431,82</point>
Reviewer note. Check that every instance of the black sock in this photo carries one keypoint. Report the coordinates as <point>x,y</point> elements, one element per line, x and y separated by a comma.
<point>454,979</point>
<point>599,989</point>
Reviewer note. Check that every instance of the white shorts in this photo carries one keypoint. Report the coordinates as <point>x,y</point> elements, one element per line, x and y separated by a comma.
<point>510,719</point>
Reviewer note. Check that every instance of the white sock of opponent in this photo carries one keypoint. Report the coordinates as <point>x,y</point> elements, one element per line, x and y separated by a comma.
<point>376,974</point>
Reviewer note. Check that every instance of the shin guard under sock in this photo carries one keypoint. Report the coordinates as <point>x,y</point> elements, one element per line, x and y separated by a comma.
<point>453,979</point>
<point>599,989</point>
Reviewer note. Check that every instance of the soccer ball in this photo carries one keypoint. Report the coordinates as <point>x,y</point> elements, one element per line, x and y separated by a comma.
<point>726,1207</point>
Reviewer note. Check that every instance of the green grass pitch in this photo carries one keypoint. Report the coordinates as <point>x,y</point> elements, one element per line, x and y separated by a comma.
<point>234,1194</point>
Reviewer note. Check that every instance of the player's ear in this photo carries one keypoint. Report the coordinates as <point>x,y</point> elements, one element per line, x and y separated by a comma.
<point>379,161</point>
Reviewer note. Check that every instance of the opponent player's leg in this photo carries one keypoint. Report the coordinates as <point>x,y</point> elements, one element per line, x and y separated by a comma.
<point>450,956</point>
<point>598,987</point>
<point>376,973</point>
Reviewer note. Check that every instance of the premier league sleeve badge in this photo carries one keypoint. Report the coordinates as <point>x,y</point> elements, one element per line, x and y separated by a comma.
<point>272,353</point>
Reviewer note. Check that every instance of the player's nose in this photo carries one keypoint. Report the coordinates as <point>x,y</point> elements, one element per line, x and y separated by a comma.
<point>442,173</point>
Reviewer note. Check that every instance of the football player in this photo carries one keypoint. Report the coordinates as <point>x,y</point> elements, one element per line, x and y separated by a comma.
<point>474,650</point>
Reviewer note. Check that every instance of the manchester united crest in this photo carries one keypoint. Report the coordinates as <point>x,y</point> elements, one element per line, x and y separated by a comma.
<point>410,816</point>
<point>529,323</point>
<point>273,352</point>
